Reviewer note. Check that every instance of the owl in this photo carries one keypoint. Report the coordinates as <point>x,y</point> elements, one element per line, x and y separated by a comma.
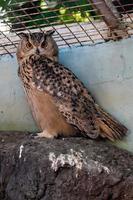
<point>59,101</point>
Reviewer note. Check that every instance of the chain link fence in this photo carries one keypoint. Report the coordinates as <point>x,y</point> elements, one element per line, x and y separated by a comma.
<point>76,23</point>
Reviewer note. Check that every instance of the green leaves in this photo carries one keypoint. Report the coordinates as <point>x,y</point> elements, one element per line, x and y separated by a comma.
<point>45,12</point>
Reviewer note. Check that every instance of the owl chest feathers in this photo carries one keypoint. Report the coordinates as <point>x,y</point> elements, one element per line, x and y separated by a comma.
<point>42,104</point>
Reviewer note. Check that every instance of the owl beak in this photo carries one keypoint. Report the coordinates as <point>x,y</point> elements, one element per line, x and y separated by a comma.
<point>37,51</point>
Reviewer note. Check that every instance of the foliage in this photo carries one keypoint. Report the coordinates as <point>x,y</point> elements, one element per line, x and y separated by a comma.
<point>43,12</point>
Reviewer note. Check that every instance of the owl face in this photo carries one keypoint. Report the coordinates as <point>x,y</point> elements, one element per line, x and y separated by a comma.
<point>38,43</point>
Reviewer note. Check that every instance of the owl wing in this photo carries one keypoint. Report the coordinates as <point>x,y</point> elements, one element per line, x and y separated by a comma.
<point>69,95</point>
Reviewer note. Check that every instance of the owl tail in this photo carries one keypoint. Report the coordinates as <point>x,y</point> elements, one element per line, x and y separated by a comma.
<point>109,127</point>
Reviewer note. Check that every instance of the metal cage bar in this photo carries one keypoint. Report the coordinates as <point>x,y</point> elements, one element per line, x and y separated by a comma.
<point>76,23</point>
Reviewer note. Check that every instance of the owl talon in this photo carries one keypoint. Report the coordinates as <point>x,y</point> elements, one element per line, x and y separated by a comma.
<point>32,135</point>
<point>45,134</point>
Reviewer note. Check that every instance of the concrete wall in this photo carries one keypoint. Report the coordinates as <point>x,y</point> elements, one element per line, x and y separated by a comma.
<point>106,70</point>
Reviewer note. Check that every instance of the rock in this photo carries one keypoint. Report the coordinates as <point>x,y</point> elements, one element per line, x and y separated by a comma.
<point>63,169</point>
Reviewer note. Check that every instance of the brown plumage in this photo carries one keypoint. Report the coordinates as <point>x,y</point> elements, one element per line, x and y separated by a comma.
<point>59,101</point>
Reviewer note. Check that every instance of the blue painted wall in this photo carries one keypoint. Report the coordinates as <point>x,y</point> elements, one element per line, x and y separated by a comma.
<point>106,70</point>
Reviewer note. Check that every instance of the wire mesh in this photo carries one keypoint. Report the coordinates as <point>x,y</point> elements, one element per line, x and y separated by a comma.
<point>76,23</point>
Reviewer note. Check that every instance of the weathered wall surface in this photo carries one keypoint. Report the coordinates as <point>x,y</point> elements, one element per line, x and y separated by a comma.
<point>106,69</point>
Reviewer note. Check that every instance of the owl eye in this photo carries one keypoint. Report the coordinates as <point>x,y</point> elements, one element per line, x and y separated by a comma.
<point>44,44</point>
<point>28,45</point>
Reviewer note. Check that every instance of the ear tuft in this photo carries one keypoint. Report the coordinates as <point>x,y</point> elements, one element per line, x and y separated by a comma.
<point>23,35</point>
<point>50,32</point>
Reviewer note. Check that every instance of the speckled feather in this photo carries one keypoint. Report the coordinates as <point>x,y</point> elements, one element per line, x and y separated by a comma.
<point>70,96</point>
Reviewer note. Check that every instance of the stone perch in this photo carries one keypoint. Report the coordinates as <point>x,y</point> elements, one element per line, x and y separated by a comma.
<point>63,169</point>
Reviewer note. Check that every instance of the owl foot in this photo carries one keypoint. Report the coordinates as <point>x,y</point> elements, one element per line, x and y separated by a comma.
<point>45,134</point>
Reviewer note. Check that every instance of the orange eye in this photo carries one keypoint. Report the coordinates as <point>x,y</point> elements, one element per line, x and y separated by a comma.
<point>28,45</point>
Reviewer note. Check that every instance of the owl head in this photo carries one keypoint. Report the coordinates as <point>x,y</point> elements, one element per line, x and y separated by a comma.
<point>38,43</point>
